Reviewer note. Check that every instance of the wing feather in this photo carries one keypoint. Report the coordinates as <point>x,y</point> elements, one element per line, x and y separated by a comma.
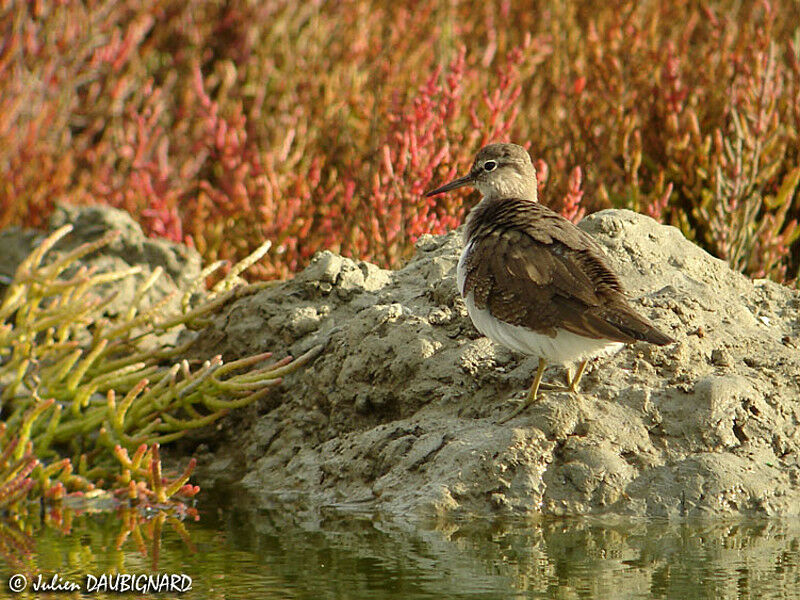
<point>531,267</point>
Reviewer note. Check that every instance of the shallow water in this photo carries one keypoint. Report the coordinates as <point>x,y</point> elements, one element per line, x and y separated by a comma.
<point>247,553</point>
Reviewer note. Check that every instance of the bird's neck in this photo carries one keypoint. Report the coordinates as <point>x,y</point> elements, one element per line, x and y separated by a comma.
<point>515,187</point>
<point>513,184</point>
<point>491,212</point>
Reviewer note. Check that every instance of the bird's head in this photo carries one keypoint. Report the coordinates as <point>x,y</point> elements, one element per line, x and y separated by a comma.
<point>499,171</point>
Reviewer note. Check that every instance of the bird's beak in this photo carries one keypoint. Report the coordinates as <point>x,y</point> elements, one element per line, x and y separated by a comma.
<point>456,183</point>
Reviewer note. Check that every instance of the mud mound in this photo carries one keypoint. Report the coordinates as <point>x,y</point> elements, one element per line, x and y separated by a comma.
<point>402,413</point>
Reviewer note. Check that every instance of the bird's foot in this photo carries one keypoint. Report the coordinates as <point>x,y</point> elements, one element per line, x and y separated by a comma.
<point>555,387</point>
<point>527,401</point>
<point>514,414</point>
<point>574,381</point>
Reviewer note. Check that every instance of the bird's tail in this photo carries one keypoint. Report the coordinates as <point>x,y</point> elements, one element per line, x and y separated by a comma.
<point>636,326</point>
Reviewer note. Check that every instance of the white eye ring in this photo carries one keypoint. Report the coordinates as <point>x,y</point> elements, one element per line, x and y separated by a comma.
<point>489,165</point>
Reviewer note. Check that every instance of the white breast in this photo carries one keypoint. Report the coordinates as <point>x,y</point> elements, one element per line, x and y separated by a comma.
<point>565,347</point>
<point>461,274</point>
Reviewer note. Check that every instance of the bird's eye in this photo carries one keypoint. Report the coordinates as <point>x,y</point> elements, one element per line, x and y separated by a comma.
<point>489,165</point>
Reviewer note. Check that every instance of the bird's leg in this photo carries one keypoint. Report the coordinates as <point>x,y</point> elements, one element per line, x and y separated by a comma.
<point>537,381</point>
<point>536,386</point>
<point>576,379</point>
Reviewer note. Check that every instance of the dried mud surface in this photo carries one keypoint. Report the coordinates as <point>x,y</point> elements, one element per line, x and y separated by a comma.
<point>402,413</point>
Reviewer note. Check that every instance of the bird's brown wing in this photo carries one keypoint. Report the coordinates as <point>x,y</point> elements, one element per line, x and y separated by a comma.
<point>531,267</point>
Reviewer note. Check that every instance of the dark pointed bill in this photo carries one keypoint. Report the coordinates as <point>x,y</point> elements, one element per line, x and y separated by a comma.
<point>456,183</point>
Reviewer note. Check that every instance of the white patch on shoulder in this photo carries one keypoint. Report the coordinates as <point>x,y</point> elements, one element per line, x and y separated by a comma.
<point>565,347</point>
<point>461,274</point>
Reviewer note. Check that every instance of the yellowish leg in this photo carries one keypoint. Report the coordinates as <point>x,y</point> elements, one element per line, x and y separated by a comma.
<point>576,379</point>
<point>537,380</point>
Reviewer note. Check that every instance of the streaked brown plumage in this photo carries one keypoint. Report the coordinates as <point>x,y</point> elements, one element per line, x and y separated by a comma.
<point>532,267</point>
<point>531,279</point>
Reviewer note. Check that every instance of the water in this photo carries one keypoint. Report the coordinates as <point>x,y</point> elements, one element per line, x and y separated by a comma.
<point>251,554</point>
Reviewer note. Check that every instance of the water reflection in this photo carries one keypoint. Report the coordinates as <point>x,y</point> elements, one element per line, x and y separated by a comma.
<point>251,553</point>
<point>372,557</point>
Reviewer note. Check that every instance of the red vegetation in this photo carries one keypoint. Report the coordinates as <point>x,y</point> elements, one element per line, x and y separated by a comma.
<point>224,124</point>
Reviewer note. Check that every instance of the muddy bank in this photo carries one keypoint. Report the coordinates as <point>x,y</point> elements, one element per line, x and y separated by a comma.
<point>402,412</point>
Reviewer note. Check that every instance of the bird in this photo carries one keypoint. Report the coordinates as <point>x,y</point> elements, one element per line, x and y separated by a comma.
<point>534,282</point>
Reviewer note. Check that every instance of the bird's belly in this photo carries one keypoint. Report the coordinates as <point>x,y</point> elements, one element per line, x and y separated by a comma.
<point>565,347</point>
